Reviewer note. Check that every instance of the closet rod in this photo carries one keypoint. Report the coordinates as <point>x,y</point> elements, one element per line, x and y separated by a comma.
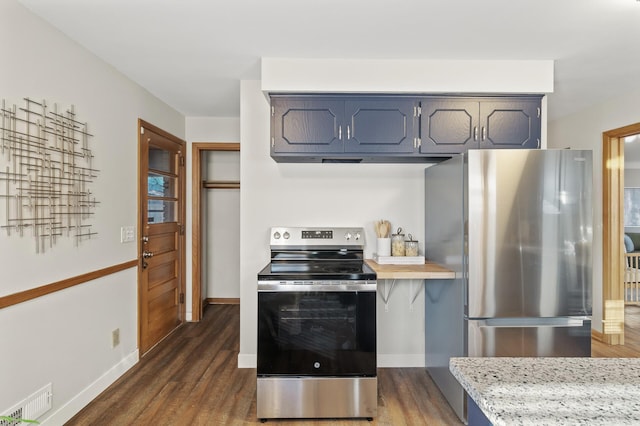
<point>221,184</point>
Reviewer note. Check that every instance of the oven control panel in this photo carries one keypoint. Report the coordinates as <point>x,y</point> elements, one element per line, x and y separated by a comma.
<point>301,237</point>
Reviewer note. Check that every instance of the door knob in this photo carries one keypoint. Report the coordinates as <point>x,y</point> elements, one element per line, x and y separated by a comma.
<point>147,254</point>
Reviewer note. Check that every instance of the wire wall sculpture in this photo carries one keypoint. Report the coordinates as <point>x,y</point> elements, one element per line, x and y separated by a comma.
<point>46,170</point>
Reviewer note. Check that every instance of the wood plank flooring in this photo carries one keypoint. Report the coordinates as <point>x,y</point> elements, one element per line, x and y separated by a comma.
<point>191,378</point>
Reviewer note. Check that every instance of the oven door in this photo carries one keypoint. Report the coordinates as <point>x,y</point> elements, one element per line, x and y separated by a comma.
<point>317,333</point>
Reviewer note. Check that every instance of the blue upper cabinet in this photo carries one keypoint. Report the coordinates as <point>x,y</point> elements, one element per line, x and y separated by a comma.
<point>451,125</point>
<point>306,125</point>
<point>448,125</point>
<point>381,125</point>
<point>398,128</point>
<point>339,126</point>
<point>510,123</point>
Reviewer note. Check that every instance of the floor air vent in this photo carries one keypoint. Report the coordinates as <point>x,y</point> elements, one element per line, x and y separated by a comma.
<point>32,407</point>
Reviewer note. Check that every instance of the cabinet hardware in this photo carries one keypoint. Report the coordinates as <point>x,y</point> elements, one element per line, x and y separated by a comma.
<point>538,112</point>
<point>419,142</point>
<point>475,133</point>
<point>273,142</point>
<point>538,143</point>
<point>484,133</point>
<point>340,132</point>
<point>348,132</point>
<point>273,111</point>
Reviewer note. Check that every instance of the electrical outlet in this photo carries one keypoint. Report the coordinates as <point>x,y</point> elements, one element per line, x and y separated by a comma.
<point>115,337</point>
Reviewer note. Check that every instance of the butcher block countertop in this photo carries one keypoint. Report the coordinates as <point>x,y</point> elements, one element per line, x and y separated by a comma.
<point>553,391</point>
<point>428,270</point>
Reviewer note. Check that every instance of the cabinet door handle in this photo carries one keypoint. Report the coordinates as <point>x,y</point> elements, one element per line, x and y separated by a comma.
<point>484,133</point>
<point>348,132</point>
<point>340,132</point>
<point>475,133</point>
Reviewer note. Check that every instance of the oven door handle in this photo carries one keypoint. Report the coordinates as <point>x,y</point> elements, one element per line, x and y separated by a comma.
<point>309,287</point>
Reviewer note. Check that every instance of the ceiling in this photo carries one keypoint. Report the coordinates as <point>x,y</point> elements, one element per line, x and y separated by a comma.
<point>192,54</point>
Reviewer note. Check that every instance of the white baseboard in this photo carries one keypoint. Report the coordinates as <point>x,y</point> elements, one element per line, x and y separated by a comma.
<point>78,402</point>
<point>400,360</point>
<point>247,360</point>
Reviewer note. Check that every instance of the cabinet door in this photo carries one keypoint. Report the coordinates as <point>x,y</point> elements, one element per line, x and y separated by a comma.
<point>309,125</point>
<point>510,123</point>
<point>380,125</point>
<point>448,126</point>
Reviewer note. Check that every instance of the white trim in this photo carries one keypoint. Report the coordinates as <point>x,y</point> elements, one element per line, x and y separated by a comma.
<point>78,402</point>
<point>407,76</point>
<point>247,360</point>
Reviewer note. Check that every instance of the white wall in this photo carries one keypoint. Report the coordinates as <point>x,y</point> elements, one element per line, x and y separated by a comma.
<point>584,130</point>
<point>65,338</point>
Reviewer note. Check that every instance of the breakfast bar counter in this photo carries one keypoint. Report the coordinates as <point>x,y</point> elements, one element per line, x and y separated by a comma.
<point>425,271</point>
<point>552,391</point>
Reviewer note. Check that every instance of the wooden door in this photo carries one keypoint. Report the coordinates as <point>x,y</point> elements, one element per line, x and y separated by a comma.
<point>161,248</point>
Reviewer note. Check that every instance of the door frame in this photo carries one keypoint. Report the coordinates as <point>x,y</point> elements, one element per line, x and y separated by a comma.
<point>197,150</point>
<point>613,221</point>
<point>182,211</point>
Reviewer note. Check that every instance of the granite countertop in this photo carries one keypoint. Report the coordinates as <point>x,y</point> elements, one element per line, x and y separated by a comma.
<point>553,391</point>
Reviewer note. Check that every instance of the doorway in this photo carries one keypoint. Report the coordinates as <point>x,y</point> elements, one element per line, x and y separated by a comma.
<point>199,150</point>
<point>161,246</point>
<point>613,231</point>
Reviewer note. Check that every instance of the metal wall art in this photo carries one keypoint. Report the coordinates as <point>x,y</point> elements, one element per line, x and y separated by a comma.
<point>45,173</point>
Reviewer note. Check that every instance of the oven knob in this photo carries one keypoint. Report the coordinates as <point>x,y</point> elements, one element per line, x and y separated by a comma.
<point>276,235</point>
<point>357,235</point>
<point>347,236</point>
<point>316,365</point>
<point>286,235</point>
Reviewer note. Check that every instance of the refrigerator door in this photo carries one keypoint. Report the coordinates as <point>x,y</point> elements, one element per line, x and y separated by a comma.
<point>529,233</point>
<point>518,337</point>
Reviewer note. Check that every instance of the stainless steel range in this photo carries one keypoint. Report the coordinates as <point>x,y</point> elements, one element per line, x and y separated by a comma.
<point>316,326</point>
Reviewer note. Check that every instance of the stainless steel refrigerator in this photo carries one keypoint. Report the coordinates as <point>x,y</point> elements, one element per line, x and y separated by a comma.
<point>516,227</point>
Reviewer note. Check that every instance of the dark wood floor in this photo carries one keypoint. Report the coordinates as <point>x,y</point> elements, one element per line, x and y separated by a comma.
<point>191,378</point>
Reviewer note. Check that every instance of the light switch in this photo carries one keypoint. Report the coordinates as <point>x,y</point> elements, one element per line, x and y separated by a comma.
<point>127,234</point>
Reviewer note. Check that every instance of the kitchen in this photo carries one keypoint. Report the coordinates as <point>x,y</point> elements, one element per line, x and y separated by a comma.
<point>285,194</point>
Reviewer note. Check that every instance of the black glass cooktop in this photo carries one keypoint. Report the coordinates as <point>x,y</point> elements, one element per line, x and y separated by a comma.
<point>320,270</point>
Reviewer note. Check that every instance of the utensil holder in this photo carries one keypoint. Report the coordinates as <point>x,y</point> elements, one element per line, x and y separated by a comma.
<point>384,247</point>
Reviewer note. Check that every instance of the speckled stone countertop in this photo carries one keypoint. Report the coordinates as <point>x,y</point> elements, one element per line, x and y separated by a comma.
<point>553,391</point>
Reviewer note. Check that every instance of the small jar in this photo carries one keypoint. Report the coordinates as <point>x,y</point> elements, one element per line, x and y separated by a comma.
<point>397,243</point>
<point>411,247</point>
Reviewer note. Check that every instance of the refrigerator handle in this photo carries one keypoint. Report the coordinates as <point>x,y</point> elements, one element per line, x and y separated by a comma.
<point>533,322</point>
